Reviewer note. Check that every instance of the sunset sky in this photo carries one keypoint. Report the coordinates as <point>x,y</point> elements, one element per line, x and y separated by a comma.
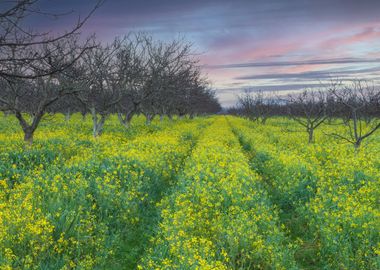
<point>283,45</point>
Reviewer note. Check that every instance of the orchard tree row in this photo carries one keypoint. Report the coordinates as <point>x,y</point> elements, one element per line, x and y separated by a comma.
<point>355,104</point>
<point>134,74</point>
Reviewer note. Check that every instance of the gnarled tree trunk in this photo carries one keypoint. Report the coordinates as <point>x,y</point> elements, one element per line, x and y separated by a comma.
<point>29,128</point>
<point>98,124</point>
<point>149,118</point>
<point>125,119</point>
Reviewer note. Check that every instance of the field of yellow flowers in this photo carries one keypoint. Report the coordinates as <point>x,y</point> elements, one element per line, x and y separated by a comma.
<point>208,193</point>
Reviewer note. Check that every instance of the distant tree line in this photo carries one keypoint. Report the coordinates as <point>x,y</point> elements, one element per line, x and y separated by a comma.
<point>135,74</point>
<point>355,105</point>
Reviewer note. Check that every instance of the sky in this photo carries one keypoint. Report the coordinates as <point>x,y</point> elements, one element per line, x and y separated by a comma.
<point>272,45</point>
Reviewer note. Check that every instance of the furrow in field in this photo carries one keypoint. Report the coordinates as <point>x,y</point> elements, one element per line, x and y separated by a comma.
<point>150,215</point>
<point>94,213</point>
<point>218,216</point>
<point>326,204</point>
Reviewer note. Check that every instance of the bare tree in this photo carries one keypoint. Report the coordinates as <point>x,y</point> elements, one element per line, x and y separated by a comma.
<point>309,109</point>
<point>357,105</point>
<point>103,85</point>
<point>246,104</point>
<point>132,65</point>
<point>33,64</point>
<point>35,96</point>
<point>19,46</point>
<point>360,108</point>
<point>167,66</point>
<point>256,105</point>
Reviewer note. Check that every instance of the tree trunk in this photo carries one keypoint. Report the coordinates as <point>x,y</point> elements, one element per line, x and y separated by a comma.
<point>67,115</point>
<point>357,145</point>
<point>311,135</point>
<point>97,128</point>
<point>126,119</point>
<point>94,122</point>
<point>101,124</point>
<point>28,136</point>
<point>29,128</point>
<point>355,126</point>
<point>149,118</point>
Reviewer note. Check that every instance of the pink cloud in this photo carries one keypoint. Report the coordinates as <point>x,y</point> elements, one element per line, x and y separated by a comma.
<point>321,44</point>
<point>304,68</point>
<point>366,35</point>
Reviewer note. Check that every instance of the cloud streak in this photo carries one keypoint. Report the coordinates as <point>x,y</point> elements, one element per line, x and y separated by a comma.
<point>271,88</point>
<point>315,75</point>
<point>296,63</point>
